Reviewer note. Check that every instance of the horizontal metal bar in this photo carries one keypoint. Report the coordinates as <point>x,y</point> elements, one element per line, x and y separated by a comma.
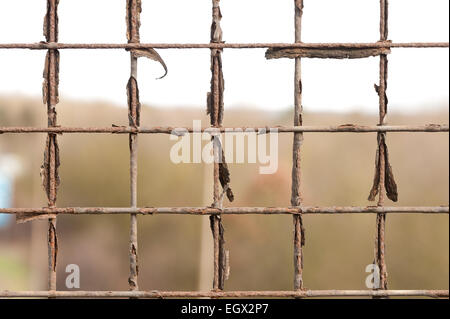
<point>226,211</point>
<point>60,46</point>
<point>352,128</point>
<point>341,53</point>
<point>225,294</point>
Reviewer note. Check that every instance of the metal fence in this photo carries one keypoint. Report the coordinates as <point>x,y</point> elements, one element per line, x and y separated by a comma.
<point>383,185</point>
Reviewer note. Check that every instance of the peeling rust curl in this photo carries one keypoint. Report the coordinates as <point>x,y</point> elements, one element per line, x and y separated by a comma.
<point>389,180</point>
<point>216,93</point>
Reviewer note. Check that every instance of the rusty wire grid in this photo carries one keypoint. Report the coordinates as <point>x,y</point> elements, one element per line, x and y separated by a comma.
<point>383,185</point>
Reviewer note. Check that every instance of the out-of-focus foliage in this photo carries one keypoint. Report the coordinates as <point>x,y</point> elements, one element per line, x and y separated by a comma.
<point>337,170</point>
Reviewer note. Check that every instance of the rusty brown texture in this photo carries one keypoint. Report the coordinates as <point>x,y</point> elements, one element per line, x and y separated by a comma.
<point>51,21</point>
<point>308,293</point>
<point>389,182</point>
<point>296,194</point>
<point>215,108</point>
<point>299,242</point>
<point>218,231</point>
<point>133,20</point>
<point>50,168</point>
<point>133,11</point>
<point>178,131</point>
<point>204,211</point>
<point>224,177</point>
<point>151,54</point>
<point>50,178</point>
<point>155,294</point>
<point>384,15</point>
<point>215,102</point>
<point>22,218</point>
<point>384,182</point>
<point>51,79</point>
<point>222,45</point>
<point>342,53</point>
<point>380,247</point>
<point>217,89</point>
<point>53,248</point>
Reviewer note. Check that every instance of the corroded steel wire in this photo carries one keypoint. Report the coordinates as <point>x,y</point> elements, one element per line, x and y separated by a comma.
<point>62,46</point>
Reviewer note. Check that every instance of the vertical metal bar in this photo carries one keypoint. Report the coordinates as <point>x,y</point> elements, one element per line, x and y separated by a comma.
<point>132,280</point>
<point>216,105</point>
<point>381,218</point>
<point>51,160</point>
<point>133,23</point>
<point>296,199</point>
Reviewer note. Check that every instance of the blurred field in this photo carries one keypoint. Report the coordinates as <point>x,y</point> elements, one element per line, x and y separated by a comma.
<point>337,170</point>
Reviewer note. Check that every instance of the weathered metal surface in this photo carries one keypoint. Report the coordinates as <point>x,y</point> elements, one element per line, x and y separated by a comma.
<point>133,12</point>
<point>345,128</point>
<point>339,53</point>
<point>226,294</point>
<point>304,210</point>
<point>384,183</point>
<point>50,167</point>
<point>296,194</point>
<point>215,108</point>
<point>129,46</point>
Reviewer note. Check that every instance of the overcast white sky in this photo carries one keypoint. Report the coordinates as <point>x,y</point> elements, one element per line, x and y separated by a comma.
<point>417,77</point>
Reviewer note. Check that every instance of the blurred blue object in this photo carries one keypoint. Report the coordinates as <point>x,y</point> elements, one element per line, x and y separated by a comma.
<point>5,197</point>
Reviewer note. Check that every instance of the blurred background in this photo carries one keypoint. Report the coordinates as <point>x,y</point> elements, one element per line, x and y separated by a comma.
<point>175,251</point>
